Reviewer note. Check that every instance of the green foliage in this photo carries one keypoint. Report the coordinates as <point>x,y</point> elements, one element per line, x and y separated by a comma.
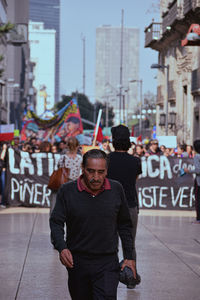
<point>5,28</point>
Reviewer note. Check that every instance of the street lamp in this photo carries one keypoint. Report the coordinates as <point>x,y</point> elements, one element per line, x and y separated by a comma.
<point>158,66</point>
<point>141,102</point>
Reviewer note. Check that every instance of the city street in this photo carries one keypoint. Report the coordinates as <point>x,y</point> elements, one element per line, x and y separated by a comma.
<point>168,247</point>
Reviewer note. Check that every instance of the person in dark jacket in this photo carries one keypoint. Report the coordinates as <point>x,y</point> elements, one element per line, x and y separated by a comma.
<point>95,212</point>
<point>126,168</point>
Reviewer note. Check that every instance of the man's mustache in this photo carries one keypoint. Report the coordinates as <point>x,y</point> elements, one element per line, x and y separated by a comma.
<point>95,181</point>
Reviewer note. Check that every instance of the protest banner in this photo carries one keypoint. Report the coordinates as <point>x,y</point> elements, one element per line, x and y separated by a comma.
<point>159,187</point>
<point>66,122</point>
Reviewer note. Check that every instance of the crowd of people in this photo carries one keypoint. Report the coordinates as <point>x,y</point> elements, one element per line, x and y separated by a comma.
<point>151,147</point>
<point>109,176</point>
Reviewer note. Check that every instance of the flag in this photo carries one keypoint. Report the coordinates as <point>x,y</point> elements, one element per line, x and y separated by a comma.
<point>99,134</point>
<point>132,131</point>
<point>139,138</point>
<point>6,132</point>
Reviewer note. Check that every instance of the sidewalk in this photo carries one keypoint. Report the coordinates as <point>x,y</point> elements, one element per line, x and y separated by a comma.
<point>168,248</point>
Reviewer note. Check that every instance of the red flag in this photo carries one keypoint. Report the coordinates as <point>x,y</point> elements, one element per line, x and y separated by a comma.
<point>139,138</point>
<point>132,131</point>
<point>99,134</point>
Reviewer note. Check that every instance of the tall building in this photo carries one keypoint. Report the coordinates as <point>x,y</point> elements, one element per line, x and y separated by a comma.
<point>3,104</point>
<point>16,59</point>
<point>117,69</point>
<point>48,12</point>
<point>40,40</point>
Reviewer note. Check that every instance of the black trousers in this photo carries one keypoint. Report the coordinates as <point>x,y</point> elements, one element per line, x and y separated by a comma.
<point>94,278</point>
<point>197,200</point>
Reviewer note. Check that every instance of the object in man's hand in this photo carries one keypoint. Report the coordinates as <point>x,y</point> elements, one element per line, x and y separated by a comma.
<point>126,276</point>
<point>181,172</point>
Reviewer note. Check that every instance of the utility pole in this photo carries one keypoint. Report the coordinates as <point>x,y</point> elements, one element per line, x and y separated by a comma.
<point>141,104</point>
<point>83,39</point>
<point>121,68</point>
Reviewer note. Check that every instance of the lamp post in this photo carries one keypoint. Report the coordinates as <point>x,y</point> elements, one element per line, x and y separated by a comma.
<point>110,91</point>
<point>141,102</point>
<point>157,66</point>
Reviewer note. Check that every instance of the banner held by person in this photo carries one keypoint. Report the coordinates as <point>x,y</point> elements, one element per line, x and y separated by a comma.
<point>66,122</point>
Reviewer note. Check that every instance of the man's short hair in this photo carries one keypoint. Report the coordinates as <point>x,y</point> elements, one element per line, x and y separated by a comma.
<point>153,142</point>
<point>197,146</point>
<point>74,120</point>
<point>121,145</point>
<point>104,141</point>
<point>94,153</point>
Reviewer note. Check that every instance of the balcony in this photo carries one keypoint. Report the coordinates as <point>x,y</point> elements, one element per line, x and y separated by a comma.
<point>172,20</point>
<point>175,23</point>
<point>195,85</point>
<point>152,35</point>
<point>160,97</point>
<point>172,91</point>
<point>191,10</point>
<point>189,6</point>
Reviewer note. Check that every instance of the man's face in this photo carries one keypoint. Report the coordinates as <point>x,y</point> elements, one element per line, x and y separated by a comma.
<point>105,145</point>
<point>16,141</point>
<point>139,150</point>
<point>94,173</point>
<point>154,146</point>
<point>61,145</point>
<point>179,151</point>
<point>71,127</point>
<point>34,141</point>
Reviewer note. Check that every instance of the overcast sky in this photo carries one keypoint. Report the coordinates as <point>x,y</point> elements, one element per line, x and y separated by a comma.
<point>82,17</point>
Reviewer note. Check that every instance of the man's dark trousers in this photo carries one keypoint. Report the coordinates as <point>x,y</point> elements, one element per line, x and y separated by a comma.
<point>94,277</point>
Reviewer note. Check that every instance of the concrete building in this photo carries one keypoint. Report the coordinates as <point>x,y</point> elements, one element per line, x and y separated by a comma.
<point>48,12</point>
<point>178,92</point>
<point>3,104</point>
<point>15,61</point>
<point>117,61</point>
<point>42,54</point>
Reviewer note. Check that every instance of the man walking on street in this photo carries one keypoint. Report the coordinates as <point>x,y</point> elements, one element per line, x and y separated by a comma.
<point>95,212</point>
<point>125,168</point>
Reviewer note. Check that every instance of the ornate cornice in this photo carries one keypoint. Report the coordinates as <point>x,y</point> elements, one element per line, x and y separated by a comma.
<point>184,63</point>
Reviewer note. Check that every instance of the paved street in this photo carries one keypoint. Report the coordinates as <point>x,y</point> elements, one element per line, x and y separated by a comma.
<point>168,257</point>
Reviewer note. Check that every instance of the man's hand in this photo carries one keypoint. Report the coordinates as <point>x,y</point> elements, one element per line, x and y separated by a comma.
<point>66,258</point>
<point>131,265</point>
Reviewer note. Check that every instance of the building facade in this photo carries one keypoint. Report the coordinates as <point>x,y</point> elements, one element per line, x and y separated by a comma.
<point>48,12</point>
<point>3,44</point>
<point>178,91</point>
<point>14,52</point>
<point>40,40</point>
<point>117,69</point>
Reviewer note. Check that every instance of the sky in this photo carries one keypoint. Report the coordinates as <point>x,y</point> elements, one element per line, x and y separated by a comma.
<point>81,18</point>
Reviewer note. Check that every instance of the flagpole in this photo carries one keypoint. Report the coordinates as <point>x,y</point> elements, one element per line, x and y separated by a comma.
<point>97,127</point>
